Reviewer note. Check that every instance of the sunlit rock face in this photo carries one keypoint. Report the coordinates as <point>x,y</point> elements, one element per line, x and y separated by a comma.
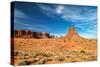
<point>30,34</point>
<point>72,33</point>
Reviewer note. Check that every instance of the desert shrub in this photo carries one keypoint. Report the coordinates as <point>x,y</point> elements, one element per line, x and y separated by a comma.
<point>55,57</point>
<point>47,54</point>
<point>25,57</point>
<point>82,51</point>
<point>49,59</point>
<point>64,40</point>
<point>35,54</point>
<point>42,61</point>
<point>61,59</point>
<point>16,53</point>
<point>69,39</point>
<point>73,61</point>
<point>26,54</point>
<point>23,62</point>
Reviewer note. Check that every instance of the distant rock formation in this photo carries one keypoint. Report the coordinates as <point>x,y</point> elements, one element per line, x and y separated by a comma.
<point>72,33</point>
<point>30,34</point>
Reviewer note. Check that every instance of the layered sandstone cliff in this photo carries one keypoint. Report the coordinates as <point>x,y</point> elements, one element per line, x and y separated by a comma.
<point>30,34</point>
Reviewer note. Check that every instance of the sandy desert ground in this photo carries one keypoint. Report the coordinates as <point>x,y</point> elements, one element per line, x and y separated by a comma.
<point>53,50</point>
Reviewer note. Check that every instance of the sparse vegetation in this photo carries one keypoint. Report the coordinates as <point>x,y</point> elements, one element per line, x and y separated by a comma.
<point>42,51</point>
<point>82,51</point>
<point>23,62</point>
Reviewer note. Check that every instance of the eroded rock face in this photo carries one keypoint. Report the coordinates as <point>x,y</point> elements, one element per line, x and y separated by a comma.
<point>43,35</point>
<point>30,34</point>
<point>72,33</point>
<point>23,34</point>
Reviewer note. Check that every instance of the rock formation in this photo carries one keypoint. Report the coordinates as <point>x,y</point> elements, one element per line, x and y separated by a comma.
<point>30,34</point>
<point>72,33</point>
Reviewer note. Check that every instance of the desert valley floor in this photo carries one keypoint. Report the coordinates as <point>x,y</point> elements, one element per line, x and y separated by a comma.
<point>27,51</point>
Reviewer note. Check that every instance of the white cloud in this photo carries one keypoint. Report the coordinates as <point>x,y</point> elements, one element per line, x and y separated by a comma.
<point>32,27</point>
<point>70,13</point>
<point>76,15</point>
<point>22,24</point>
<point>19,14</point>
<point>47,10</point>
<point>59,9</point>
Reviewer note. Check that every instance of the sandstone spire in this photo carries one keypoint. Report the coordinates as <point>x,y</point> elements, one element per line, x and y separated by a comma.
<point>72,33</point>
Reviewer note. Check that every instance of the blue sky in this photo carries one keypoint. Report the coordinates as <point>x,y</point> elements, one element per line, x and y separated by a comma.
<point>56,19</point>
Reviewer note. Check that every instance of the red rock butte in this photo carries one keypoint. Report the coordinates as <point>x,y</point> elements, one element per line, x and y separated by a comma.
<point>72,33</point>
